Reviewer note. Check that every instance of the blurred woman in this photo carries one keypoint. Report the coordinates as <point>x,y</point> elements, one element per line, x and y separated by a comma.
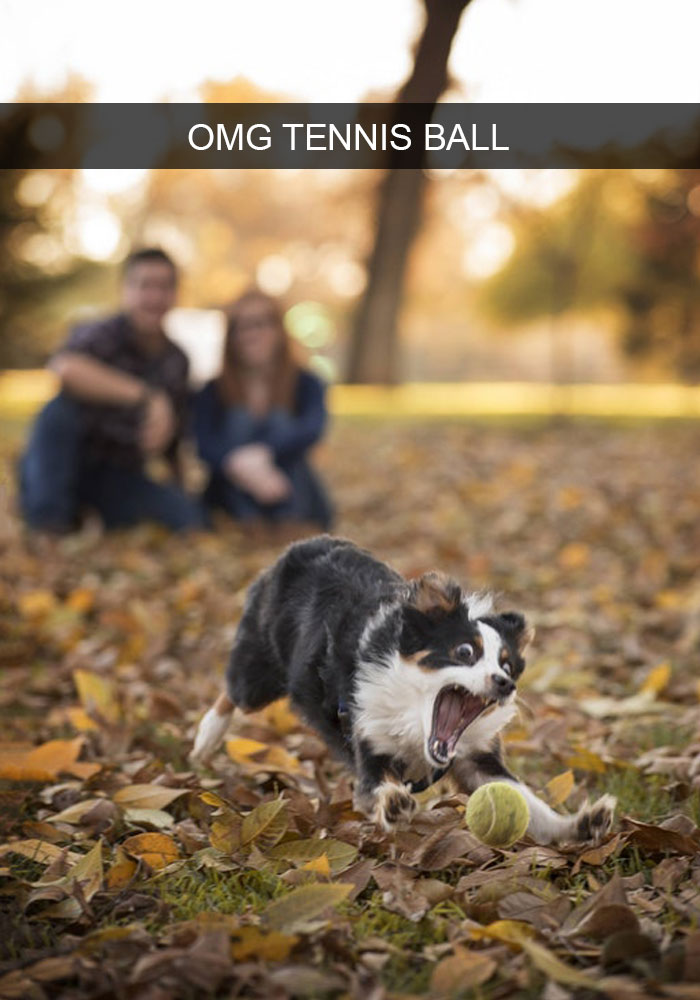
<point>256,422</point>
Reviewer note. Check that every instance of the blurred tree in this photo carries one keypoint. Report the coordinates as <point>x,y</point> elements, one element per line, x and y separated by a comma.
<point>373,347</point>
<point>35,265</point>
<point>620,238</point>
<point>662,295</point>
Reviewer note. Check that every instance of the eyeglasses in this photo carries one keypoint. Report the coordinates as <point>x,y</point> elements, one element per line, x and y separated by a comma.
<point>261,322</point>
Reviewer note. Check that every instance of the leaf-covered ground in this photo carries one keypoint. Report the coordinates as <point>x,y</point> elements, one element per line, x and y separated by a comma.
<point>124,873</point>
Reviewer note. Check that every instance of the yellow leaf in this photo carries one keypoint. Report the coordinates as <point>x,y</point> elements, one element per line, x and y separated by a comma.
<point>339,854</point>
<point>35,604</point>
<point>280,716</point>
<point>560,788</point>
<point>295,910</point>
<point>279,758</point>
<point>158,850</point>
<point>452,973</point>
<point>320,866</point>
<point>122,870</point>
<point>669,600</point>
<point>553,967</point>
<point>265,825</point>
<point>508,931</point>
<point>98,695</point>
<point>271,946</point>
<point>225,832</point>
<point>87,872</point>
<point>147,796</point>
<point>241,750</point>
<point>37,850</point>
<point>45,762</point>
<point>521,935</point>
<point>212,799</point>
<point>586,760</point>
<point>79,719</point>
<point>658,679</point>
<point>81,600</point>
<point>575,555</point>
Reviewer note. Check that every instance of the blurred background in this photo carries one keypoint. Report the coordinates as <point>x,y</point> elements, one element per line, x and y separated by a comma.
<point>565,276</point>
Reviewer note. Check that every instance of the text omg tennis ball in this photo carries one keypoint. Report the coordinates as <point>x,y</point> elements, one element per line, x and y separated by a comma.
<point>497,814</point>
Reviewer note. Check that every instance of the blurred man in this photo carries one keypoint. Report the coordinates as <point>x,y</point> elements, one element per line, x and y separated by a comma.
<point>123,400</point>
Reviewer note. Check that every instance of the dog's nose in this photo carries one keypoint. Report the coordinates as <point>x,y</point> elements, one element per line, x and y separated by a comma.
<point>502,685</point>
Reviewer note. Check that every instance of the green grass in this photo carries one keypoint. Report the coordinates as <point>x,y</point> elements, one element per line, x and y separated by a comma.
<point>189,892</point>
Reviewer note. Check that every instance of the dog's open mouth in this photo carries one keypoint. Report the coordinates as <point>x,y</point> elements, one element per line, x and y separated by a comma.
<point>455,709</point>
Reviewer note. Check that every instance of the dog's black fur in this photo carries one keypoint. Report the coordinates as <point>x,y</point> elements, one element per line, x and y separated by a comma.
<point>328,612</point>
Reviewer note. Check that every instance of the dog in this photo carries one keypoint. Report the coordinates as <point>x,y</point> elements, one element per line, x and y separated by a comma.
<point>404,680</point>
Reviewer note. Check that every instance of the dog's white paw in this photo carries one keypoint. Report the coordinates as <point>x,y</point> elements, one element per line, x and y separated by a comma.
<point>594,821</point>
<point>210,733</point>
<point>393,805</point>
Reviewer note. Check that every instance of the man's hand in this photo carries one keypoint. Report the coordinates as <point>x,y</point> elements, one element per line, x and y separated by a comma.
<point>252,468</point>
<point>158,424</point>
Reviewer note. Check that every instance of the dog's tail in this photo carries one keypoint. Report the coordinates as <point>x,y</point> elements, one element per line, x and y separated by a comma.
<point>212,729</point>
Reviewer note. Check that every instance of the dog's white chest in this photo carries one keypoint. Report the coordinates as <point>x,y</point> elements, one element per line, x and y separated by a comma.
<point>392,708</point>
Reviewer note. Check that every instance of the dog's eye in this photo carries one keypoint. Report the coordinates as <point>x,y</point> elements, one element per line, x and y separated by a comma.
<point>465,652</point>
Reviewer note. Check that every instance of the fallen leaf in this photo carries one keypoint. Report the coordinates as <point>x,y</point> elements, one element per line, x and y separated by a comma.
<point>265,825</point>
<point>98,696</point>
<point>36,604</point>
<point>266,946</point>
<point>560,788</point>
<point>122,870</point>
<point>147,796</point>
<point>156,849</point>
<point>657,680</point>
<point>294,911</point>
<point>450,976</point>
<point>339,854</point>
<point>45,762</point>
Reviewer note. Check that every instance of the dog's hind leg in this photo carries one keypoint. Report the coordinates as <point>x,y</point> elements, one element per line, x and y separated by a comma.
<point>212,729</point>
<point>591,822</point>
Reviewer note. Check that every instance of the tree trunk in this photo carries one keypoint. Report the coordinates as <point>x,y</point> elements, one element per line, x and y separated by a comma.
<point>373,353</point>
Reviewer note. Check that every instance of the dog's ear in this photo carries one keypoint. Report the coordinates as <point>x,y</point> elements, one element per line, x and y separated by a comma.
<point>521,632</point>
<point>434,595</point>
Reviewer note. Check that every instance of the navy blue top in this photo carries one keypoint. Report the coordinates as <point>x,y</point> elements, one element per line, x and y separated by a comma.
<point>112,431</point>
<point>219,429</point>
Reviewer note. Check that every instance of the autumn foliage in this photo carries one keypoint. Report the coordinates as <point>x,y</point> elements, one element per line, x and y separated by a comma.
<point>125,873</point>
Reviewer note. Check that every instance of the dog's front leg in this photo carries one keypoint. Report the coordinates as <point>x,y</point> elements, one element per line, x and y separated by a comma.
<point>591,822</point>
<point>379,792</point>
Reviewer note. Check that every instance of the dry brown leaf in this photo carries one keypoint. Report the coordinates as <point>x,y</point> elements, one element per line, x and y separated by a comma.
<point>295,911</point>
<point>265,825</point>
<point>156,849</point>
<point>147,796</point>
<point>450,976</point>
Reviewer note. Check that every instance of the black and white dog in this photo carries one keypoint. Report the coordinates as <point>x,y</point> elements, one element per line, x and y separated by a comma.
<point>403,679</point>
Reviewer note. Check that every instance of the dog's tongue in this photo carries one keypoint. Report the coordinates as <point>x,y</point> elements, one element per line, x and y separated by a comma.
<point>454,709</point>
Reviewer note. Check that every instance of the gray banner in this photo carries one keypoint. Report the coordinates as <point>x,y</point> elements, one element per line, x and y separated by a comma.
<point>349,136</point>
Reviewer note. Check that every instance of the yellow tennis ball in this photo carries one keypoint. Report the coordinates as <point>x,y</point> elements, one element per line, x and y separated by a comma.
<point>497,814</point>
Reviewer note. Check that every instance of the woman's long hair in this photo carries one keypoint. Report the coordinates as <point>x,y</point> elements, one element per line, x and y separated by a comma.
<point>233,382</point>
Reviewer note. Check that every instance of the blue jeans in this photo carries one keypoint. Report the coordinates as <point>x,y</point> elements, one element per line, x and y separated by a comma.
<point>58,478</point>
<point>308,501</point>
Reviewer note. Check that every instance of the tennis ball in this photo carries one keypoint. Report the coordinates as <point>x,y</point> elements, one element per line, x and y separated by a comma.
<point>497,814</point>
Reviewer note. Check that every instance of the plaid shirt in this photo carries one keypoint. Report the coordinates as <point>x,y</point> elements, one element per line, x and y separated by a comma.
<point>112,431</point>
